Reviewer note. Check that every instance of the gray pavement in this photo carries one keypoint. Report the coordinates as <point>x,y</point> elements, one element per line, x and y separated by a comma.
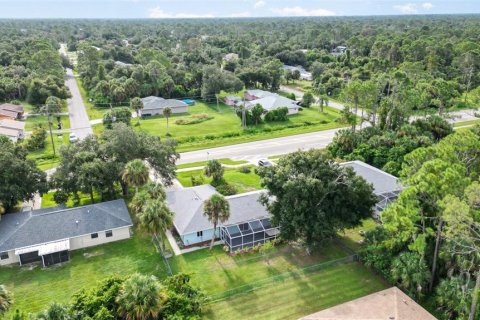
<point>79,122</point>
<point>253,151</point>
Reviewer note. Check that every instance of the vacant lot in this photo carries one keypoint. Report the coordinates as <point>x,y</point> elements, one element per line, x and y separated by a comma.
<point>225,126</point>
<point>243,182</point>
<point>44,157</point>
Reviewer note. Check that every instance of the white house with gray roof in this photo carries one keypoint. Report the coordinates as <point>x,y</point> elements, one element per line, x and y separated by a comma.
<point>194,228</point>
<point>385,186</point>
<point>153,106</point>
<point>48,235</point>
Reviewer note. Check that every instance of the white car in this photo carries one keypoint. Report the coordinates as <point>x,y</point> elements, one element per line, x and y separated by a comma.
<point>73,137</point>
<point>264,163</point>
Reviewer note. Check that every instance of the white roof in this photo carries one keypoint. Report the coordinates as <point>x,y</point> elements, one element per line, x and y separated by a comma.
<point>12,124</point>
<point>273,102</point>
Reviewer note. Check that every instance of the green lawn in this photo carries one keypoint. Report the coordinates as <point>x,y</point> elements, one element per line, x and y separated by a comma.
<point>203,163</point>
<point>44,158</point>
<point>243,182</point>
<point>466,123</point>
<point>32,121</point>
<point>225,127</point>
<point>47,200</point>
<point>300,295</point>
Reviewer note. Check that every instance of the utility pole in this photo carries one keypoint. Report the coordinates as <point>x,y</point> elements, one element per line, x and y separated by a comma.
<point>244,122</point>
<point>51,135</point>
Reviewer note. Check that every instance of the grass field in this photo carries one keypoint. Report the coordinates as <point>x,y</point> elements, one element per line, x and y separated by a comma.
<point>243,182</point>
<point>225,127</point>
<point>300,295</point>
<point>32,121</point>
<point>93,113</point>
<point>203,163</point>
<point>44,158</point>
<point>466,123</point>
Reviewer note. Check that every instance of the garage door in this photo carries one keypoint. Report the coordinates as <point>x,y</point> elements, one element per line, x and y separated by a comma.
<point>54,258</point>
<point>30,257</point>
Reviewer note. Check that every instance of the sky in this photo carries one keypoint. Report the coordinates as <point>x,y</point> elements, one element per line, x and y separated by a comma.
<point>161,9</point>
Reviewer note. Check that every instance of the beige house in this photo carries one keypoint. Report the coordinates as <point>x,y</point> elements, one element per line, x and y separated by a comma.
<point>154,106</point>
<point>13,129</point>
<point>387,304</point>
<point>48,235</point>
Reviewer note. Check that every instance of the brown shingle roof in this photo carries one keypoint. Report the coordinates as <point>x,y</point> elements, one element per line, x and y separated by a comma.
<point>383,305</point>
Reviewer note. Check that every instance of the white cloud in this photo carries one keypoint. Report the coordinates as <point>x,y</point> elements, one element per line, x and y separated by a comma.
<point>245,14</point>
<point>408,8</point>
<point>259,4</point>
<point>158,13</point>
<point>302,12</point>
<point>427,5</point>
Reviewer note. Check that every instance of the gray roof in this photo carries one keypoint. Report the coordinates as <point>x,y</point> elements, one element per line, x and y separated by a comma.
<point>23,229</point>
<point>153,102</point>
<point>260,93</point>
<point>382,181</point>
<point>187,204</point>
<point>273,102</point>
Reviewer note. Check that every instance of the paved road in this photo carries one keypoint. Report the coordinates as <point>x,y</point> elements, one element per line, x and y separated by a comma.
<point>79,122</point>
<point>252,151</point>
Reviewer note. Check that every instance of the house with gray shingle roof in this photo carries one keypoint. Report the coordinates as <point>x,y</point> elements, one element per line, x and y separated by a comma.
<point>385,186</point>
<point>194,228</point>
<point>153,106</point>
<point>48,235</point>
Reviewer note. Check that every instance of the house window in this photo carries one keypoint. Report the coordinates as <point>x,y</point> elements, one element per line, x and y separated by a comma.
<point>4,256</point>
<point>199,234</point>
<point>108,233</point>
<point>94,235</point>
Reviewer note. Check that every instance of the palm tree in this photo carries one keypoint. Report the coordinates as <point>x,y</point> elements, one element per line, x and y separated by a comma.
<point>411,271</point>
<point>137,105</point>
<point>141,298</point>
<point>214,169</point>
<point>6,299</point>
<point>54,312</point>
<point>136,173</point>
<point>156,218</point>
<point>155,190</point>
<point>216,209</point>
<point>167,112</point>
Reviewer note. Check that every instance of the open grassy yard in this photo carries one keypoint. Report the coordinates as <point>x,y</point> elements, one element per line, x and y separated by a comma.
<point>225,127</point>
<point>35,288</point>
<point>32,121</point>
<point>93,113</point>
<point>44,158</point>
<point>300,295</point>
<point>243,182</point>
<point>466,123</point>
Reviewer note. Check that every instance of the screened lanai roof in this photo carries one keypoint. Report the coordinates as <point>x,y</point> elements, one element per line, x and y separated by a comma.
<point>248,227</point>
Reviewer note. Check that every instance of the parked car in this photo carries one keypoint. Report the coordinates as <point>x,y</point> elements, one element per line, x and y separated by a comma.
<point>73,137</point>
<point>264,163</point>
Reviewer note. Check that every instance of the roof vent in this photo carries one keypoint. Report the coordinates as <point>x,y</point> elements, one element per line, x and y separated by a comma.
<point>76,221</point>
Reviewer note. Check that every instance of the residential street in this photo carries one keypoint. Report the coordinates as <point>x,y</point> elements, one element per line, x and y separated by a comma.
<point>252,151</point>
<point>79,122</point>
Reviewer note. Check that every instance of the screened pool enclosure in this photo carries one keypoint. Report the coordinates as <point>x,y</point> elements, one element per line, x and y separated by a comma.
<point>248,234</point>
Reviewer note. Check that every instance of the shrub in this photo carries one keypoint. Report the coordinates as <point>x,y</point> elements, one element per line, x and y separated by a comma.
<point>244,169</point>
<point>279,114</point>
<point>37,139</point>
<point>122,114</point>
<point>226,189</point>
<point>197,180</point>
<point>196,118</point>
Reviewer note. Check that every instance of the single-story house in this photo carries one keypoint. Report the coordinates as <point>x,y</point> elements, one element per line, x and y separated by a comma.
<point>231,56</point>
<point>254,94</point>
<point>248,225</point>
<point>232,100</point>
<point>154,106</point>
<point>11,111</point>
<point>385,186</point>
<point>48,235</point>
<point>123,64</point>
<point>13,129</point>
<point>304,74</point>
<point>386,304</point>
<point>339,50</point>
<point>275,101</point>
